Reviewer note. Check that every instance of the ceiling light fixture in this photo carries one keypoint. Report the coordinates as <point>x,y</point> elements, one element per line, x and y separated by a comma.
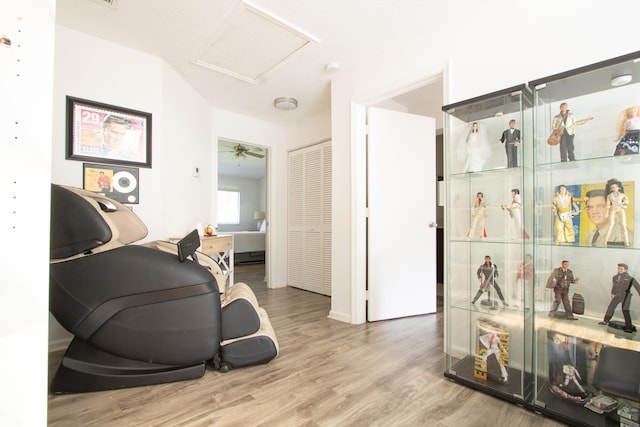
<point>621,80</point>
<point>285,103</point>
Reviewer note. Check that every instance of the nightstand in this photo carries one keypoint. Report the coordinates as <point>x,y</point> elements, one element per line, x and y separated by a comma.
<point>220,249</point>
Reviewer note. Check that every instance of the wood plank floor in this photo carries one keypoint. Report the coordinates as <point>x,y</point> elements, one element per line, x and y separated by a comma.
<point>328,373</point>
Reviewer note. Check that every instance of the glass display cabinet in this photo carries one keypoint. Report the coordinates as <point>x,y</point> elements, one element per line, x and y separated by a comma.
<point>584,213</point>
<point>549,321</point>
<point>489,242</point>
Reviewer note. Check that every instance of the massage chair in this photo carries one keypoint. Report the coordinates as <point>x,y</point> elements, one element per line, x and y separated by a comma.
<point>142,314</point>
<point>618,372</point>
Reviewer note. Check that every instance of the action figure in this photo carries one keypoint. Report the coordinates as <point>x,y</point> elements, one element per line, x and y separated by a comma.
<point>511,139</point>
<point>487,274</point>
<point>479,212</point>
<point>567,367</point>
<point>491,343</point>
<point>596,206</point>
<point>628,132</point>
<point>474,148</point>
<point>617,202</point>
<point>567,122</point>
<point>515,213</point>
<point>621,293</point>
<point>571,375</point>
<point>524,277</point>
<point>565,206</point>
<point>560,280</point>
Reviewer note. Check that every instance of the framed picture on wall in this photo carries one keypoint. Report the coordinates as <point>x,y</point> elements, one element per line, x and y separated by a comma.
<point>105,133</point>
<point>119,183</point>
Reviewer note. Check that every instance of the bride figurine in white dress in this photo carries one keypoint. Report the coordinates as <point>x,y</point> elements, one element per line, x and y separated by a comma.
<point>474,148</point>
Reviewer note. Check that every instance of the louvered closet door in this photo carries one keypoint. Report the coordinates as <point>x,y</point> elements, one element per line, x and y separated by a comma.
<point>309,228</point>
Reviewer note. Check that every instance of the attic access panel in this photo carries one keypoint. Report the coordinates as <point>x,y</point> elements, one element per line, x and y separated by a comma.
<point>490,105</point>
<point>250,43</point>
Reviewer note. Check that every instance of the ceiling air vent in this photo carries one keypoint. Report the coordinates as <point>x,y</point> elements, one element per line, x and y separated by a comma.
<point>250,43</point>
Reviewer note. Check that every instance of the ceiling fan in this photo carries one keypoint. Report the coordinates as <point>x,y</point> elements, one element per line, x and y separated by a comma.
<point>241,152</point>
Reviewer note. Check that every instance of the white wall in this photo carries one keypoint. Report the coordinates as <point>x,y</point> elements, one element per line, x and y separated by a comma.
<point>171,199</point>
<point>480,50</point>
<point>185,135</point>
<point>26,91</point>
<point>309,131</point>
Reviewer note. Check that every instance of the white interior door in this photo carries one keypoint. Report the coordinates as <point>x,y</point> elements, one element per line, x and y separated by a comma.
<point>401,243</point>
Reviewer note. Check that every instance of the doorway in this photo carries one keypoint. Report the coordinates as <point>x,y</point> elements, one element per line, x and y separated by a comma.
<point>427,100</point>
<point>243,177</point>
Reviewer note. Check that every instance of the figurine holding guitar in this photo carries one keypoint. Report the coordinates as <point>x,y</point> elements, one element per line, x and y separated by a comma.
<point>563,130</point>
<point>566,216</point>
<point>564,205</point>
<point>556,136</point>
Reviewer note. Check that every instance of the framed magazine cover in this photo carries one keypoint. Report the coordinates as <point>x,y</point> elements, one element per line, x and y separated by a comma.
<point>103,133</point>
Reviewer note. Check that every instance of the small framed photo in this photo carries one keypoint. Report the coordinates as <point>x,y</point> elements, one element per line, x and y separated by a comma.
<point>105,133</point>
<point>119,183</point>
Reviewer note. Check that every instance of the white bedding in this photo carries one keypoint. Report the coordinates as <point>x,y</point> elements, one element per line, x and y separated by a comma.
<point>248,241</point>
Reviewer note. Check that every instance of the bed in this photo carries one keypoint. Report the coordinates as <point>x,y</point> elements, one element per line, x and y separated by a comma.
<point>248,246</point>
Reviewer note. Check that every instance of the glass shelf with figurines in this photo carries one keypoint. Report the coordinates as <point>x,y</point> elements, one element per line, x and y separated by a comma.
<point>487,207</point>
<point>540,242</point>
<point>486,133</point>
<point>488,165</point>
<point>586,124</point>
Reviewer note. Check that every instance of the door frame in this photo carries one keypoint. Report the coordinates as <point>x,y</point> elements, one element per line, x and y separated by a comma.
<point>269,215</point>
<point>359,251</point>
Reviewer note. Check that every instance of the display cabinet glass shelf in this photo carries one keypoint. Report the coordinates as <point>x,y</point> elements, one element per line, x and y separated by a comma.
<point>488,177</point>
<point>584,212</point>
<point>562,344</point>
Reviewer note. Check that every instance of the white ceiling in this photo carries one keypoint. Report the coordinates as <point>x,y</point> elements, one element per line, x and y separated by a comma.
<point>348,32</point>
<point>288,59</point>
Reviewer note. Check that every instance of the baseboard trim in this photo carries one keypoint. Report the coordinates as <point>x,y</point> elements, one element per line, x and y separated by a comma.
<point>339,316</point>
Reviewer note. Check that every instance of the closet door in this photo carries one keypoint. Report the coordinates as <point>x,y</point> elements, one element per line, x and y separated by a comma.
<point>309,219</point>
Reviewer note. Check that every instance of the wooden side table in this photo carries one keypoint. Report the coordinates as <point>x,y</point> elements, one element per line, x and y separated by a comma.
<point>220,249</point>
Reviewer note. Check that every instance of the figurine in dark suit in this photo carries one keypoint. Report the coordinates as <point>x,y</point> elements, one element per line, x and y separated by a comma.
<point>511,140</point>
<point>621,293</point>
<point>487,276</point>
<point>560,280</point>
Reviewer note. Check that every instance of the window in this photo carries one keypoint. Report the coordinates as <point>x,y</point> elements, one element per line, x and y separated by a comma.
<point>228,207</point>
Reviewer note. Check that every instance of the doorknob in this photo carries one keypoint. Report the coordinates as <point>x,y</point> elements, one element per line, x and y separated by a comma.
<point>433,224</point>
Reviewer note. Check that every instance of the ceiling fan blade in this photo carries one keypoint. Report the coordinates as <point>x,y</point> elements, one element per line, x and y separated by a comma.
<point>249,153</point>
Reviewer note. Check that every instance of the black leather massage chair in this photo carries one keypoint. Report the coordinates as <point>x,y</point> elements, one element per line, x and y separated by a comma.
<point>142,314</point>
<point>618,372</point>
